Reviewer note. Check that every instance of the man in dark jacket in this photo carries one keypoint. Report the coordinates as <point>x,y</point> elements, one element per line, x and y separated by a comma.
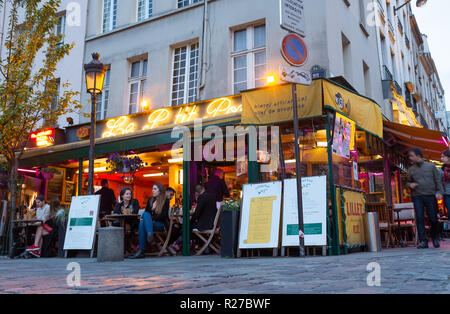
<point>205,211</point>
<point>217,187</point>
<point>426,186</point>
<point>107,199</point>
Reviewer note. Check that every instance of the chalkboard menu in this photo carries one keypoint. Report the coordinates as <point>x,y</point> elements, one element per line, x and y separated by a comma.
<point>69,191</point>
<point>55,185</point>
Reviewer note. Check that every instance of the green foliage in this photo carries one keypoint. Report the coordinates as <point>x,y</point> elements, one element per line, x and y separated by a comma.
<point>28,91</point>
<point>230,205</point>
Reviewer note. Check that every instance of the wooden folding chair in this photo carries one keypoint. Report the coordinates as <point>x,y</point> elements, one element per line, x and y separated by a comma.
<point>164,237</point>
<point>385,219</point>
<point>207,236</point>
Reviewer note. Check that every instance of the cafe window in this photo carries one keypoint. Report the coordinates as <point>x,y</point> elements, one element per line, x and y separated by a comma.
<point>137,85</point>
<point>103,98</point>
<point>249,58</point>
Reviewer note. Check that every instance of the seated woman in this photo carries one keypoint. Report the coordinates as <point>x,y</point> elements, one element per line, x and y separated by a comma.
<point>42,214</point>
<point>128,204</point>
<point>155,218</point>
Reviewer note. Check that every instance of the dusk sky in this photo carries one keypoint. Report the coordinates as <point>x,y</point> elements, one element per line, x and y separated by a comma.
<point>433,20</point>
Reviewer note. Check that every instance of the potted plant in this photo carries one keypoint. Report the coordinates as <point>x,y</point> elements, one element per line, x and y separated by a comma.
<point>410,86</point>
<point>229,227</point>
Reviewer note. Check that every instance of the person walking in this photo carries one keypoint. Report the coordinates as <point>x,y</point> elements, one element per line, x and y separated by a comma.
<point>426,186</point>
<point>446,180</point>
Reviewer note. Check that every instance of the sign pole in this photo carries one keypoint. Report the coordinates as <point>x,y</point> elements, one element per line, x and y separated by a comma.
<point>297,171</point>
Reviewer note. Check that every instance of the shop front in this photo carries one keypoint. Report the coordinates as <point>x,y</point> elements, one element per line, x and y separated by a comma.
<point>337,140</point>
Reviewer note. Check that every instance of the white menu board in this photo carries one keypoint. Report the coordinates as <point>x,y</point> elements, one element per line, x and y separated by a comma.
<point>82,222</point>
<point>260,216</point>
<point>314,196</point>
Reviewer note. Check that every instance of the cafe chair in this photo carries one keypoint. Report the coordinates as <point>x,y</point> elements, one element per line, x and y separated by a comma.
<point>207,236</point>
<point>405,219</point>
<point>164,237</point>
<point>385,218</point>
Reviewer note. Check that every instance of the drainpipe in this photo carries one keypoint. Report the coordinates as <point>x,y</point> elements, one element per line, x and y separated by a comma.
<point>203,54</point>
<point>3,28</point>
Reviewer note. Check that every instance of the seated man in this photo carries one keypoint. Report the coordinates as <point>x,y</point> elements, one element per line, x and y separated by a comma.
<point>206,210</point>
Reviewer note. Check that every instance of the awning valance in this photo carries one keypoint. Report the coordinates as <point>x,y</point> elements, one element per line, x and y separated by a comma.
<point>274,105</point>
<point>433,143</point>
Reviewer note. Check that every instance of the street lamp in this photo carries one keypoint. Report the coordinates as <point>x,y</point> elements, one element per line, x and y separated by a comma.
<point>95,75</point>
<point>419,3</point>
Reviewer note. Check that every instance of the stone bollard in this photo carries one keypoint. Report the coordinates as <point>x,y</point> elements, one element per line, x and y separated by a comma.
<point>110,244</point>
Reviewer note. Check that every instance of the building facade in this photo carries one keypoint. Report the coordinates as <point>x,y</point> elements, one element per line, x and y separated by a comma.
<point>413,94</point>
<point>163,53</point>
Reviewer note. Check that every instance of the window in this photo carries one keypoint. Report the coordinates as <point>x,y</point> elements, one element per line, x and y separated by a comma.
<point>109,15</point>
<point>144,9</point>
<point>61,28</point>
<point>249,58</point>
<point>184,3</point>
<point>138,76</point>
<point>185,75</point>
<point>103,99</point>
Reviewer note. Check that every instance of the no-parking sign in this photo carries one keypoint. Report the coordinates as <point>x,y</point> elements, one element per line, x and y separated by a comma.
<point>294,50</point>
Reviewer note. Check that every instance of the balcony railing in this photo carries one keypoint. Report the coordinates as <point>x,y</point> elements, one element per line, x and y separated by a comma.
<point>398,88</point>
<point>387,75</point>
<point>391,28</point>
<point>407,41</point>
<point>400,25</point>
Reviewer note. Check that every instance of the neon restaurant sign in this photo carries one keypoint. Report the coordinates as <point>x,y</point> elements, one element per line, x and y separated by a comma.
<point>171,116</point>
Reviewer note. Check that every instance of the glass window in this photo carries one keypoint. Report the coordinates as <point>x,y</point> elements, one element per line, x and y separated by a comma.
<point>184,3</point>
<point>185,75</point>
<point>144,9</point>
<point>109,15</point>
<point>249,63</point>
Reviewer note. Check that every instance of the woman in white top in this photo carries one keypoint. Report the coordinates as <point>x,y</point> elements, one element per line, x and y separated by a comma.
<point>42,214</point>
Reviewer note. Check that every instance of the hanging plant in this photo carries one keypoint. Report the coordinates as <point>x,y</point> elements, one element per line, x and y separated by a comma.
<point>123,164</point>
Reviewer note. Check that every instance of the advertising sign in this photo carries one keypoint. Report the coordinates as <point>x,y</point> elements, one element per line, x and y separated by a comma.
<point>292,16</point>
<point>344,131</point>
<point>314,196</point>
<point>354,209</point>
<point>260,216</point>
<point>82,222</point>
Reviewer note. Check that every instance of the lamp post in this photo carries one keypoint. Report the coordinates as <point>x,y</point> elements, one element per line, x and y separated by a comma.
<point>419,3</point>
<point>95,75</point>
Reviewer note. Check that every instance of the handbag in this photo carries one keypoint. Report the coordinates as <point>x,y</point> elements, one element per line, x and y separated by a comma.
<point>47,227</point>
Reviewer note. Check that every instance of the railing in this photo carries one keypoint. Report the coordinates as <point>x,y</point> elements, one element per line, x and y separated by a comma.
<point>407,41</point>
<point>387,75</point>
<point>400,25</point>
<point>391,28</point>
<point>398,88</point>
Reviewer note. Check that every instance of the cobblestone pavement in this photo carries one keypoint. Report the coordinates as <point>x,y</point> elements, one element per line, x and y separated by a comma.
<point>402,271</point>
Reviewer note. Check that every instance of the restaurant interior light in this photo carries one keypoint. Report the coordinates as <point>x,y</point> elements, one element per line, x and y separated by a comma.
<point>175,160</point>
<point>160,174</point>
<point>322,144</point>
<point>180,177</point>
<point>290,161</point>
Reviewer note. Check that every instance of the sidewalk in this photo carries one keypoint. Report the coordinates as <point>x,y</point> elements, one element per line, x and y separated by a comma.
<point>402,271</point>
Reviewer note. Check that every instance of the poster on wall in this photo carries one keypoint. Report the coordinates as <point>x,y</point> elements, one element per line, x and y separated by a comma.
<point>354,209</point>
<point>260,216</point>
<point>314,196</point>
<point>344,131</point>
<point>82,222</point>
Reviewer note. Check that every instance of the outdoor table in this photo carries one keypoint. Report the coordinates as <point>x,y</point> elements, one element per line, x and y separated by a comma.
<point>123,218</point>
<point>27,224</point>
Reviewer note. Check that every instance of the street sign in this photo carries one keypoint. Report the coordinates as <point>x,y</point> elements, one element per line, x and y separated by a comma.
<point>292,16</point>
<point>294,50</point>
<point>295,75</point>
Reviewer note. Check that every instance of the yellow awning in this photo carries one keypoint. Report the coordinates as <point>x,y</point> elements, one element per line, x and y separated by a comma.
<point>274,105</point>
